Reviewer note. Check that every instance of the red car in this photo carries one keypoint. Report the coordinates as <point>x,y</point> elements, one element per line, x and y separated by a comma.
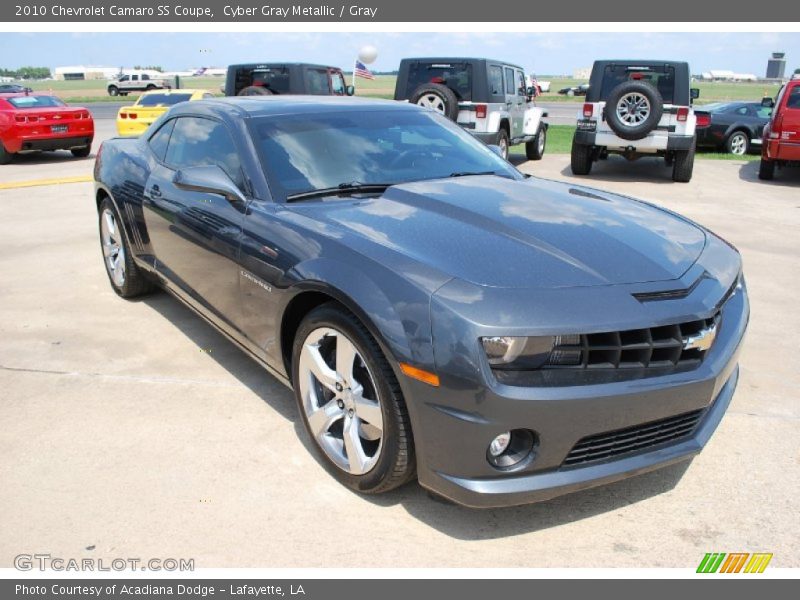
<point>31,122</point>
<point>781,140</point>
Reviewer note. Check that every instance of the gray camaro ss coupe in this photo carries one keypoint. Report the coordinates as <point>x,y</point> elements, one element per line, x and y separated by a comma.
<point>439,315</point>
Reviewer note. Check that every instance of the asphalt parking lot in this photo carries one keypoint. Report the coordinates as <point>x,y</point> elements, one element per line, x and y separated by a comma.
<point>133,429</point>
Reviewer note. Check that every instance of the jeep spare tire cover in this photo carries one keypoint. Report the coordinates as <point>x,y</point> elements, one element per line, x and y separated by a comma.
<point>437,97</point>
<point>254,90</point>
<point>633,109</point>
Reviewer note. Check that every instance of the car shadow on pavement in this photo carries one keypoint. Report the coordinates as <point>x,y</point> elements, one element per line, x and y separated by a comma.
<point>49,158</point>
<point>227,354</point>
<point>617,168</point>
<point>787,176</point>
<point>456,521</point>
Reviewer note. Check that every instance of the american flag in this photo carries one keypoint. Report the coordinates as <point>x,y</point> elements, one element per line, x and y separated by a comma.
<point>361,70</point>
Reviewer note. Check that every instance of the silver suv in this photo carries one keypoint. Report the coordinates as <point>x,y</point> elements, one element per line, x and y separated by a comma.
<point>637,108</point>
<point>488,98</point>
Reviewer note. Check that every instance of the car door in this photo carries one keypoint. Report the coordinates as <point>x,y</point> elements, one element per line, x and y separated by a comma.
<point>196,235</point>
<point>514,102</point>
<point>790,124</point>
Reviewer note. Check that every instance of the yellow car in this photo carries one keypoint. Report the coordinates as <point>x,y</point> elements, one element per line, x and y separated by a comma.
<point>135,119</point>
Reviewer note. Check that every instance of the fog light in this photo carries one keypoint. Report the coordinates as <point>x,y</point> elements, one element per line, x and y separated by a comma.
<point>499,444</point>
<point>512,449</point>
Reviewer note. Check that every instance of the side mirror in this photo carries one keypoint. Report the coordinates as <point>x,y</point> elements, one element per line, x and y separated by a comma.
<point>350,90</point>
<point>694,93</point>
<point>532,91</point>
<point>209,179</point>
<point>767,102</point>
<point>496,149</point>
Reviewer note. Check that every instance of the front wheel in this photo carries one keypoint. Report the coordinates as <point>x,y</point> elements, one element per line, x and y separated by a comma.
<point>580,158</point>
<point>534,149</point>
<point>350,402</point>
<point>766,170</point>
<point>113,90</point>
<point>738,143</point>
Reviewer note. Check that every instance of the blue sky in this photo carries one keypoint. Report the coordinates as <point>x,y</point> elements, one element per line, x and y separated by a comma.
<point>543,53</point>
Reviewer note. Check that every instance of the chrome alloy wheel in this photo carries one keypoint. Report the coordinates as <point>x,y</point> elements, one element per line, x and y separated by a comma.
<point>432,101</point>
<point>113,250</point>
<point>633,109</point>
<point>738,144</point>
<point>340,400</point>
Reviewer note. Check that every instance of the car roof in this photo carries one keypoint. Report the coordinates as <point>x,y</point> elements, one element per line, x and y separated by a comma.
<point>176,91</point>
<point>446,59</point>
<point>285,104</point>
<point>279,64</point>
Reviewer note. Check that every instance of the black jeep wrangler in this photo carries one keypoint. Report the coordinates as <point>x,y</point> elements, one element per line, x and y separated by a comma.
<point>264,79</point>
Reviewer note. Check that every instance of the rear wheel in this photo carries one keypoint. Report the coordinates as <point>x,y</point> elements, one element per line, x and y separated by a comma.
<point>684,165</point>
<point>766,170</point>
<point>738,143</point>
<point>534,149</point>
<point>580,158</point>
<point>126,279</point>
<point>350,402</point>
<point>81,152</point>
<point>5,156</point>
<point>503,143</point>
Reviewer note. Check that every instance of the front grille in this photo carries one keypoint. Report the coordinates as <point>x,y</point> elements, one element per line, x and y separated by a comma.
<point>632,439</point>
<point>654,347</point>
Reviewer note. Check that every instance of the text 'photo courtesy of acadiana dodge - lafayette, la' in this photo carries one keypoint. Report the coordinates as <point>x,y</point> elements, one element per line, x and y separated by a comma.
<point>233,11</point>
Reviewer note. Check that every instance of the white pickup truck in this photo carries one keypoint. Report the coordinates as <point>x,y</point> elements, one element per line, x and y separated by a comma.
<point>136,81</point>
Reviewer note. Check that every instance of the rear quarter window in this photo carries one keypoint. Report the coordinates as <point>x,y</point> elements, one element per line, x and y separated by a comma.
<point>793,101</point>
<point>159,141</point>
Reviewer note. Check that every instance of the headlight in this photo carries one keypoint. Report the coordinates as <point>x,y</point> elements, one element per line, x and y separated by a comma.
<point>525,353</point>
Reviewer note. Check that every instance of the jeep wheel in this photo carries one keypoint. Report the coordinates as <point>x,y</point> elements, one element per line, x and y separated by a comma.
<point>581,158</point>
<point>113,90</point>
<point>534,149</point>
<point>684,165</point>
<point>766,170</point>
<point>503,143</point>
<point>738,143</point>
<point>255,90</point>
<point>633,109</point>
<point>437,97</point>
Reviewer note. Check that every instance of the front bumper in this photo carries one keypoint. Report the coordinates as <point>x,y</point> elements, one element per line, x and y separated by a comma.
<point>454,423</point>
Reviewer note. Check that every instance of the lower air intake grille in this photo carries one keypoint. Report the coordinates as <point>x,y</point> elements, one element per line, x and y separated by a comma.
<point>632,439</point>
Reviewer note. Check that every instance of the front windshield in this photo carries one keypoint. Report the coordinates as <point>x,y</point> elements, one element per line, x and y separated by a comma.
<point>312,151</point>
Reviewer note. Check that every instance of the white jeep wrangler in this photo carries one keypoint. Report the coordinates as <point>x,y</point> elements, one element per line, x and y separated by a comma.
<point>488,98</point>
<point>637,108</point>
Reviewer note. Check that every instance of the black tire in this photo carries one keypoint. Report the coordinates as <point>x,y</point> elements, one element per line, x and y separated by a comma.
<point>669,159</point>
<point>5,156</point>
<point>113,90</point>
<point>503,143</point>
<point>534,149</point>
<point>396,464</point>
<point>81,152</point>
<point>151,87</point>
<point>580,158</point>
<point>738,143</point>
<point>441,95</point>
<point>254,90</point>
<point>136,282</point>
<point>684,165</point>
<point>623,129</point>
<point>766,170</point>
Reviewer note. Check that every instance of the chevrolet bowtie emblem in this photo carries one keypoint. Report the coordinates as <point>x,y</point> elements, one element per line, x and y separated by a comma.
<point>701,340</point>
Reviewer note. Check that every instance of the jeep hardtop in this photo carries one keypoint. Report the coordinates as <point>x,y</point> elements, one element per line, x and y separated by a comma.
<point>263,79</point>
<point>489,98</point>
<point>637,108</point>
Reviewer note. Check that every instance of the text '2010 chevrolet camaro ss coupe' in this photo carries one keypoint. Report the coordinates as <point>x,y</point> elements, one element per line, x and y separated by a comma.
<point>439,315</point>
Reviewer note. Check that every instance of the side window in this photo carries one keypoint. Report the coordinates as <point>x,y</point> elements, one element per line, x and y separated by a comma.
<point>521,87</point>
<point>197,142</point>
<point>317,82</point>
<point>742,110</point>
<point>124,78</point>
<point>496,80</point>
<point>337,83</point>
<point>134,78</point>
<point>145,77</point>
<point>510,82</point>
<point>793,101</point>
<point>160,139</point>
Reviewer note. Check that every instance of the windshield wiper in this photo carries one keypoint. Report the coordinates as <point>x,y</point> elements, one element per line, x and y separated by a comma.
<point>475,173</point>
<point>343,189</point>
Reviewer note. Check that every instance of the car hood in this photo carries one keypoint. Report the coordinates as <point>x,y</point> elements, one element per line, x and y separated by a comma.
<point>532,233</point>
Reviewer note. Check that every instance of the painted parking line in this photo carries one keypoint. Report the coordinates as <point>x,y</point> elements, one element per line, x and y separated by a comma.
<point>37,182</point>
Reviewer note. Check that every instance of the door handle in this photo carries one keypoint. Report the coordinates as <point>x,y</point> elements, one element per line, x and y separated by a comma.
<point>155,191</point>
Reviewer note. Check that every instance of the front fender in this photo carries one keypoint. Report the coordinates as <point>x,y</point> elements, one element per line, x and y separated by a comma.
<point>532,120</point>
